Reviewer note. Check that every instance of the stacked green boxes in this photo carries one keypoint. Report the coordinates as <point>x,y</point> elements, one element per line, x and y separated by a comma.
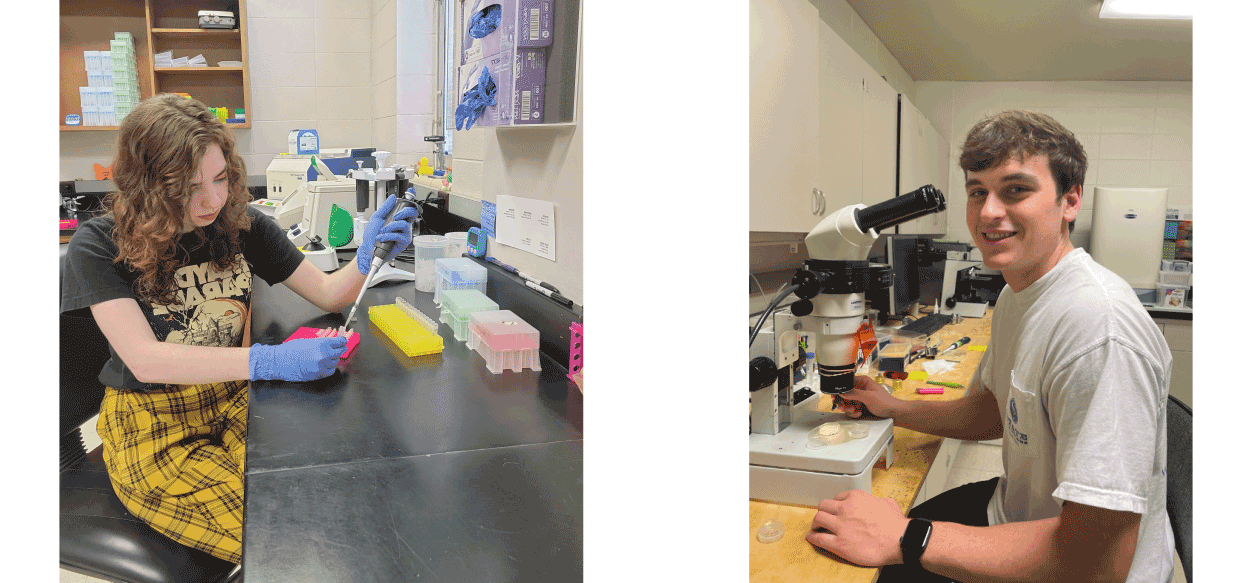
<point>459,304</point>
<point>125,74</point>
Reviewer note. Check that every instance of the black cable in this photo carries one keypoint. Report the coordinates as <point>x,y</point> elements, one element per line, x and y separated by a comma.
<point>776,301</point>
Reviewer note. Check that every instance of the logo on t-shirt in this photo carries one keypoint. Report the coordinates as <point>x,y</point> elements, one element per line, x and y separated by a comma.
<point>1021,438</point>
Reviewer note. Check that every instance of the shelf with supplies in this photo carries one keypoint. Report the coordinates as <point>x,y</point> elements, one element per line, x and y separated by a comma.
<point>153,27</point>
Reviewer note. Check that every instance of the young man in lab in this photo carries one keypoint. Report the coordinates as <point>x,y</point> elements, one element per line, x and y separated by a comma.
<point>1075,381</point>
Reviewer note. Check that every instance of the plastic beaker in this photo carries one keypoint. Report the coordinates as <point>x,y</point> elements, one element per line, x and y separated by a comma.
<point>459,243</point>
<point>425,249</point>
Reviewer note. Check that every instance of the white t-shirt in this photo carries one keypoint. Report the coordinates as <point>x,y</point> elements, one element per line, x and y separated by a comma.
<point>1080,373</point>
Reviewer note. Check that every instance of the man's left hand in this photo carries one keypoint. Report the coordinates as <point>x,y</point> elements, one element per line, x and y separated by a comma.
<point>860,528</point>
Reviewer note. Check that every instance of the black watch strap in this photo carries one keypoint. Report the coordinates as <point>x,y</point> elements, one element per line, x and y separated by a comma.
<point>915,540</point>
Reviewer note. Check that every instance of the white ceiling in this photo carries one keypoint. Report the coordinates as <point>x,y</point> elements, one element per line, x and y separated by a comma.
<point>1027,40</point>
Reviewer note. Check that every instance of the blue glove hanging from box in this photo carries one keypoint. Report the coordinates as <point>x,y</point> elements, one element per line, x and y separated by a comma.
<point>476,100</point>
<point>485,21</point>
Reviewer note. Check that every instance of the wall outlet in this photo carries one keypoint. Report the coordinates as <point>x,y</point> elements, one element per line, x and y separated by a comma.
<point>794,247</point>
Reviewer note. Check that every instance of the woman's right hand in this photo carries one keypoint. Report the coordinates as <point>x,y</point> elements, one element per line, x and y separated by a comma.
<point>866,400</point>
<point>300,360</point>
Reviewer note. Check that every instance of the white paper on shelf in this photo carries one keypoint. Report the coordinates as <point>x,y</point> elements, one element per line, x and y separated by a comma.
<point>527,224</point>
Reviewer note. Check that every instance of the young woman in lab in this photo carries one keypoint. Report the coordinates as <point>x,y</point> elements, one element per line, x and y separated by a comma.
<point>167,274</point>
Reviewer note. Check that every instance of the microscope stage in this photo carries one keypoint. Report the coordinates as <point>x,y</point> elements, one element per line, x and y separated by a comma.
<point>784,468</point>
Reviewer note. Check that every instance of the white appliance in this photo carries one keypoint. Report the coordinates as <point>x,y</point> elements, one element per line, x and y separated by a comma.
<point>1127,235</point>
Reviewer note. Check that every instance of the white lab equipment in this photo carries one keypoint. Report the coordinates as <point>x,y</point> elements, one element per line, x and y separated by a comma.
<point>784,464</point>
<point>1127,235</point>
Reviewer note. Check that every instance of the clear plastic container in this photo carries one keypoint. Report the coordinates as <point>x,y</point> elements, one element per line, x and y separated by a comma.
<point>504,340</point>
<point>459,304</point>
<point>457,273</point>
<point>426,249</point>
<point>459,243</point>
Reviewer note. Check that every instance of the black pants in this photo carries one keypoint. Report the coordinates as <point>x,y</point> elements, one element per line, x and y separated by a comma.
<point>966,505</point>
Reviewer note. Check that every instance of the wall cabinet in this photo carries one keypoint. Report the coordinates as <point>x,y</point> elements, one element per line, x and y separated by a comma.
<point>923,158</point>
<point>784,116</point>
<point>822,121</point>
<point>157,26</point>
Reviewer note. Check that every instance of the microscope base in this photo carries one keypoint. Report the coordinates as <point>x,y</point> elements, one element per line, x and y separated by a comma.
<point>784,469</point>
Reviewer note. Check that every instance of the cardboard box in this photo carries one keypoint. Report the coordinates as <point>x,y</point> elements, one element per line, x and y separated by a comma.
<point>520,81</point>
<point>522,24</point>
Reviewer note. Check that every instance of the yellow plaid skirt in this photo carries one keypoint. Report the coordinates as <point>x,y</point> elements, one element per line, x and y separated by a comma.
<point>175,458</point>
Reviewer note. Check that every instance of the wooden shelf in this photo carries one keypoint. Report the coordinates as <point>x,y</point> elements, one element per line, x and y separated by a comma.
<point>156,26</point>
<point>65,128</point>
<point>194,70</point>
<point>182,32</point>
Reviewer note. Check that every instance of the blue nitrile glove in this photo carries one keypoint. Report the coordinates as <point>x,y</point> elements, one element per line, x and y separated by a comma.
<point>476,100</point>
<point>300,360</point>
<point>398,230</point>
<point>485,21</point>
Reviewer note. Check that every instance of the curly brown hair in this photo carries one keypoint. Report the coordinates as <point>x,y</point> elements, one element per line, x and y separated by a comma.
<point>160,146</point>
<point>1021,134</point>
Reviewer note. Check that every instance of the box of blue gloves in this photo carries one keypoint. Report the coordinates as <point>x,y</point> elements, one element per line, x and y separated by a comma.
<point>489,27</point>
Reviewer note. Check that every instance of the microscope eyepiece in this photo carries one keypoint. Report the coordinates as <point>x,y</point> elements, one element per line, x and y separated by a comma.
<point>900,209</point>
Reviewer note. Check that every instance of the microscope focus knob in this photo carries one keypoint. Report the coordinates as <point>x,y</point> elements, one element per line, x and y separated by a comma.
<point>763,372</point>
<point>950,302</point>
<point>801,308</point>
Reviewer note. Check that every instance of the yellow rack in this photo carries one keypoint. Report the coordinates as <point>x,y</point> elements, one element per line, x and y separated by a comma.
<point>413,332</point>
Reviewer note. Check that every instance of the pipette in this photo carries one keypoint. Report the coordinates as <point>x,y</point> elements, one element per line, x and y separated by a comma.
<point>381,250</point>
<point>957,344</point>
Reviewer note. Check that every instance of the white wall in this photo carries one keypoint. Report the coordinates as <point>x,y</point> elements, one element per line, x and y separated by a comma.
<point>1135,134</point>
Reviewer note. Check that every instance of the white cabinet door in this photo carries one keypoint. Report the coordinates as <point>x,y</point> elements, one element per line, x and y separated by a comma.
<point>880,116</point>
<point>841,122</point>
<point>784,115</point>
<point>924,158</point>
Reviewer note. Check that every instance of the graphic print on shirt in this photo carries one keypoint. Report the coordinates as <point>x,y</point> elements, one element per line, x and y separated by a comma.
<point>210,306</point>
<point>1021,438</point>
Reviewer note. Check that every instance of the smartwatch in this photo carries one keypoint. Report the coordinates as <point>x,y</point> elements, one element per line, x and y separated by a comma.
<point>914,540</point>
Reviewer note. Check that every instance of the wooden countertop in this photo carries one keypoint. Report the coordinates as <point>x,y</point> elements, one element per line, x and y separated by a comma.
<point>793,559</point>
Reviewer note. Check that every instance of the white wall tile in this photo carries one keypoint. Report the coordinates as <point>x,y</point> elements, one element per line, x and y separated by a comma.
<point>1128,173</point>
<point>470,144</point>
<point>384,133</point>
<point>1077,119</point>
<point>1174,120</point>
<point>414,94</point>
<point>341,9</point>
<point>345,133</point>
<point>1181,197</point>
<point>467,176</point>
<point>277,103</point>
<point>384,24</point>
<point>278,9</point>
<point>1091,171</point>
<point>1172,147</point>
<point>1124,147</point>
<point>410,136</point>
<point>279,35</point>
<point>342,35</point>
<point>1171,173</point>
<point>384,62</point>
<point>384,99</point>
<point>417,17</point>
<point>1123,120</point>
<point>417,54</point>
<point>346,103</point>
<point>342,70</point>
<point>281,70</point>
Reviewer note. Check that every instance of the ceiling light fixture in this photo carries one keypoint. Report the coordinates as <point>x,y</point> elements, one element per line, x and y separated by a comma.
<point>1147,9</point>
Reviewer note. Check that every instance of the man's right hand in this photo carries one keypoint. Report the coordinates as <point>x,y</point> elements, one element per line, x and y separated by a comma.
<point>867,400</point>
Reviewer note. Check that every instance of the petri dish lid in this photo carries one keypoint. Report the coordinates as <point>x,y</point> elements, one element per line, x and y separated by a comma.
<point>771,531</point>
<point>857,430</point>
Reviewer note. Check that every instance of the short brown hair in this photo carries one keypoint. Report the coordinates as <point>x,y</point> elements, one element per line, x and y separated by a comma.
<point>160,146</point>
<point>1021,134</point>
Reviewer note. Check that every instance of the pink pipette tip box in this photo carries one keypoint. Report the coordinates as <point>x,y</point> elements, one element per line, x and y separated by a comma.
<point>306,332</point>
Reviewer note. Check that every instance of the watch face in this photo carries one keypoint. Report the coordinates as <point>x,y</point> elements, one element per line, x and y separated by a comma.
<point>915,539</point>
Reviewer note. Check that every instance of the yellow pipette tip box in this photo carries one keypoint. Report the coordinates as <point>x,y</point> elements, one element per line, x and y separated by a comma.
<point>411,335</point>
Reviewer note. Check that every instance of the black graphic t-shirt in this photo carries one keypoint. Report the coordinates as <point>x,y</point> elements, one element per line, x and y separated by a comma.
<point>210,306</point>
